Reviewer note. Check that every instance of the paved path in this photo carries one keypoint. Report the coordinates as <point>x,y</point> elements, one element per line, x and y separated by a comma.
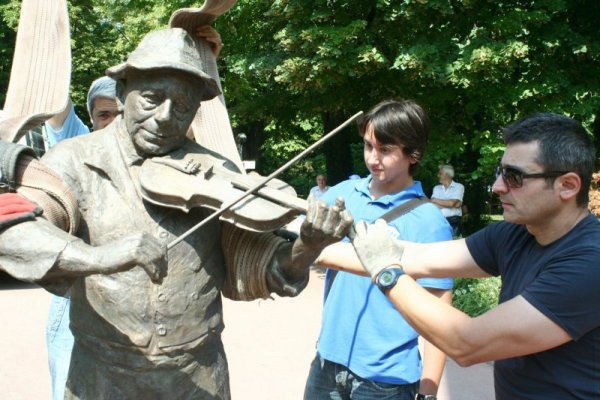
<point>269,345</point>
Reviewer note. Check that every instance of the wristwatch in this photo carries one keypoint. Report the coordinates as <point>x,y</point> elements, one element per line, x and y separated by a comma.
<point>420,396</point>
<point>388,277</point>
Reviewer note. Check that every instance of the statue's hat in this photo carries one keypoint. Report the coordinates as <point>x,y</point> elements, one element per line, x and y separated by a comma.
<point>167,49</point>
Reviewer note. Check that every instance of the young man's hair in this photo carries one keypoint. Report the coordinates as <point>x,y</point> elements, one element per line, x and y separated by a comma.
<point>402,123</point>
<point>564,145</point>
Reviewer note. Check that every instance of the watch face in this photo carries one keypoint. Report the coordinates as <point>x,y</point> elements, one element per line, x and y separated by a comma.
<point>386,278</point>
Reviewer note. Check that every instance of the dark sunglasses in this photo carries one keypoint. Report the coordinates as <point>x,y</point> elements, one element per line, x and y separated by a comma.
<point>513,178</point>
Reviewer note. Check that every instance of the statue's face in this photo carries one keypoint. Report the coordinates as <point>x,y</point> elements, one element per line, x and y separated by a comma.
<point>159,108</point>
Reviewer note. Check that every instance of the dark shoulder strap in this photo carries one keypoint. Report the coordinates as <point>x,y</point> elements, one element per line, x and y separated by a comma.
<point>404,208</point>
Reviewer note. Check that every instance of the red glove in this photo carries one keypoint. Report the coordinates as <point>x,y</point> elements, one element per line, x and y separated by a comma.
<point>15,209</point>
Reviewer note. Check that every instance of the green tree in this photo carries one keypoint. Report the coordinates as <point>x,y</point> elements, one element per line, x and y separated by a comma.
<point>293,69</point>
<point>475,66</point>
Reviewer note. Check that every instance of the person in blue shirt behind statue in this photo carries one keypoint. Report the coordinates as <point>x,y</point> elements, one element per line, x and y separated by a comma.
<point>102,108</point>
<point>366,349</point>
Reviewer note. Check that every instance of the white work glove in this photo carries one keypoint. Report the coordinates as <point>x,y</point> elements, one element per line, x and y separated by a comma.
<point>375,247</point>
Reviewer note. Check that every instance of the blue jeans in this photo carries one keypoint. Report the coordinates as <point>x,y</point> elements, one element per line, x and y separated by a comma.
<point>331,381</point>
<point>59,341</point>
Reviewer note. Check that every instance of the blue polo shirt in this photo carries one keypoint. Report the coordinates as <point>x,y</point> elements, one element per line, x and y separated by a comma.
<point>361,329</point>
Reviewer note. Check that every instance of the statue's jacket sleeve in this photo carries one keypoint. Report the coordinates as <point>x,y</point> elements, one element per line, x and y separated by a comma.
<point>252,269</point>
<point>127,309</point>
<point>29,250</point>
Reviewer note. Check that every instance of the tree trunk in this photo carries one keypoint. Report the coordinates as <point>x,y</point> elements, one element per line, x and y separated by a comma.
<point>254,139</point>
<point>338,156</point>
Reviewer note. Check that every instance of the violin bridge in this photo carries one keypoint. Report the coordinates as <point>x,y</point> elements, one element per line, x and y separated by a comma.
<point>209,172</point>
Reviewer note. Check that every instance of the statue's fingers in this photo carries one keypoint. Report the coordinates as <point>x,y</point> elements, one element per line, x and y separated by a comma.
<point>311,210</point>
<point>339,202</point>
<point>344,226</point>
<point>332,219</point>
<point>334,216</point>
<point>320,214</point>
<point>347,218</point>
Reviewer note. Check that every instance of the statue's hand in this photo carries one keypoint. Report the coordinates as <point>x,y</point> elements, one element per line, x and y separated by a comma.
<point>322,226</point>
<point>325,225</point>
<point>137,249</point>
<point>375,247</point>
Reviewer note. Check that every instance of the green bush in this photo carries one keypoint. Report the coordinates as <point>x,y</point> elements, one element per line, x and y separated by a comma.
<point>476,296</point>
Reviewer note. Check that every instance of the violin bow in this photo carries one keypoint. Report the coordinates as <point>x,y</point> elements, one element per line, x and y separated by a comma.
<point>266,180</point>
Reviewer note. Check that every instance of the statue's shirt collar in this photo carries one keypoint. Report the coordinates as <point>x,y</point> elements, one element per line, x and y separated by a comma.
<point>128,152</point>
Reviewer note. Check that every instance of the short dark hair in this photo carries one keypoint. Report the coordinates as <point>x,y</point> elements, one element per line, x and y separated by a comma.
<point>400,122</point>
<point>565,145</point>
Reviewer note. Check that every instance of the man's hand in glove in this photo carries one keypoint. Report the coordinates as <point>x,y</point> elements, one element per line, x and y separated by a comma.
<point>375,247</point>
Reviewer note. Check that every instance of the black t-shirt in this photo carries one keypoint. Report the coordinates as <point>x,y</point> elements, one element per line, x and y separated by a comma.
<point>562,281</point>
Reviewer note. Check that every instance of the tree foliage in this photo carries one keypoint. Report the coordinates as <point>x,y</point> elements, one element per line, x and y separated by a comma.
<point>475,66</point>
<point>294,69</point>
<point>595,195</point>
<point>476,296</point>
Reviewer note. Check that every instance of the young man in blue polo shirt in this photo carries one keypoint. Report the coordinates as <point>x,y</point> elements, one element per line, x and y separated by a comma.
<point>366,349</point>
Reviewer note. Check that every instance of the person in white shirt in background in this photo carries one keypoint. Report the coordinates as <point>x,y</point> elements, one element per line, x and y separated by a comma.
<point>317,191</point>
<point>448,196</point>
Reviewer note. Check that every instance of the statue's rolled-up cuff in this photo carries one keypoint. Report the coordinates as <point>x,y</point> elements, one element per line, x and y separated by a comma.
<point>249,259</point>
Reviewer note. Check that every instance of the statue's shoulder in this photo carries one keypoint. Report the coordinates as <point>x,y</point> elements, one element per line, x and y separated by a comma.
<point>88,148</point>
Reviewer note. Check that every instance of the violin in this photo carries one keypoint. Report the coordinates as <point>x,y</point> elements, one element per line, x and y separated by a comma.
<point>185,180</point>
<point>202,180</point>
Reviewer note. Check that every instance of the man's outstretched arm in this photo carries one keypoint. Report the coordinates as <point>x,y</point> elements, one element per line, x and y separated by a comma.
<point>511,329</point>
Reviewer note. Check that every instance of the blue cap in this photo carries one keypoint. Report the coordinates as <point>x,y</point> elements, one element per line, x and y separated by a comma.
<point>101,87</point>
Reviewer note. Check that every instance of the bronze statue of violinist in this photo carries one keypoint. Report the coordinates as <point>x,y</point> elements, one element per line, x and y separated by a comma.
<point>147,321</point>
